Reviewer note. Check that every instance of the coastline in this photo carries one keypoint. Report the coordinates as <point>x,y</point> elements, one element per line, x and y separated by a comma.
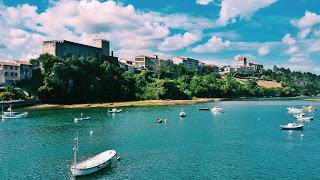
<point>127,104</point>
<point>159,102</point>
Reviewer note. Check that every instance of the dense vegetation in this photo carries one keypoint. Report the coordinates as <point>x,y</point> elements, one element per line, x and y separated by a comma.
<point>78,80</point>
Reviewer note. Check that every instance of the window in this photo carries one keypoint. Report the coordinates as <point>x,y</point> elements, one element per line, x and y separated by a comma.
<point>11,73</point>
<point>10,67</point>
<point>6,74</point>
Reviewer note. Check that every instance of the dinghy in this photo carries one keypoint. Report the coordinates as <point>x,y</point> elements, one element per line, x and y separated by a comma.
<point>115,110</point>
<point>217,109</point>
<point>91,165</point>
<point>182,114</point>
<point>81,118</point>
<point>302,117</point>
<point>294,110</point>
<point>10,114</point>
<point>292,126</point>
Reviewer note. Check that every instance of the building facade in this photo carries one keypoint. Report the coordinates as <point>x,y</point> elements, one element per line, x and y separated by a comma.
<point>13,71</point>
<point>127,66</point>
<point>148,62</point>
<point>247,68</point>
<point>62,48</point>
<point>186,62</point>
<point>229,70</point>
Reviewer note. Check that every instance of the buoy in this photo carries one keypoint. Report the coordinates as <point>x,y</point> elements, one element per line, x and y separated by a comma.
<point>301,135</point>
<point>91,132</point>
<point>118,158</point>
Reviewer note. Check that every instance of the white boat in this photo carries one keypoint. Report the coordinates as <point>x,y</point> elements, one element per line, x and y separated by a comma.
<point>292,126</point>
<point>217,109</point>
<point>81,119</point>
<point>115,110</point>
<point>13,115</point>
<point>302,117</point>
<point>182,114</point>
<point>294,110</point>
<point>91,165</point>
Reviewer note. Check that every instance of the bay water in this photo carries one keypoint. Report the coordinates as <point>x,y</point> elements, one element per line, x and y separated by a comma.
<point>244,142</point>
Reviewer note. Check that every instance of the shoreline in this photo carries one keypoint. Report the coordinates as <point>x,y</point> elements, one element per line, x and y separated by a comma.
<point>127,104</point>
<point>158,102</point>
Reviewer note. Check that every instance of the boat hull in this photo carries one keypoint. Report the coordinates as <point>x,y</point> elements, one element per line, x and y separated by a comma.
<point>23,115</point>
<point>83,172</point>
<point>292,128</point>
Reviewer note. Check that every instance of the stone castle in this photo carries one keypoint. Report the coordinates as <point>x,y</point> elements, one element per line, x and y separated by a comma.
<point>61,48</point>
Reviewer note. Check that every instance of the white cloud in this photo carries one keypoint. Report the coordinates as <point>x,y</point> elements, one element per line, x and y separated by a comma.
<point>215,44</point>
<point>244,9</point>
<point>79,21</point>
<point>315,47</point>
<point>264,50</point>
<point>307,21</point>
<point>292,50</point>
<point>204,2</point>
<point>288,39</point>
<point>178,41</point>
<point>304,33</point>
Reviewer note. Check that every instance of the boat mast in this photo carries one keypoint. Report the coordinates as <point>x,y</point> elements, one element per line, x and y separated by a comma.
<point>75,149</point>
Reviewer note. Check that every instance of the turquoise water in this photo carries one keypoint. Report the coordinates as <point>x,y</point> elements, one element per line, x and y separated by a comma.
<point>243,143</point>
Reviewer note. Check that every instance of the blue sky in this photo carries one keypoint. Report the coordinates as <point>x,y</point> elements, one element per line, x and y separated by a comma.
<point>282,32</point>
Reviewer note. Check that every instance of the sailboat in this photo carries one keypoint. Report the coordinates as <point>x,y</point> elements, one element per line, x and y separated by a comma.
<point>90,165</point>
<point>10,114</point>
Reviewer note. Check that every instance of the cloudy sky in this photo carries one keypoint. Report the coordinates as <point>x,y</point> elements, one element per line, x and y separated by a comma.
<point>282,32</point>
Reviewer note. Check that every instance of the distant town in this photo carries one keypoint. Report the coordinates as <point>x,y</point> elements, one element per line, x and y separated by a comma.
<point>15,70</point>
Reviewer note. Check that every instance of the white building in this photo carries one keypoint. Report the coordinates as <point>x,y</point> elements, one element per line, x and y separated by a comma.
<point>127,66</point>
<point>149,62</point>
<point>186,62</point>
<point>14,70</point>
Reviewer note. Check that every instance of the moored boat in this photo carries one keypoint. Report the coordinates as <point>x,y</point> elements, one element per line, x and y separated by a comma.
<point>309,108</point>
<point>182,114</point>
<point>158,121</point>
<point>81,119</point>
<point>302,117</point>
<point>204,109</point>
<point>115,110</point>
<point>91,165</point>
<point>292,126</point>
<point>217,109</point>
<point>294,110</point>
<point>10,114</point>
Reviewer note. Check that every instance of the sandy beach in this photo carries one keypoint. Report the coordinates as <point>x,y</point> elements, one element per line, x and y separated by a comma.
<point>126,104</point>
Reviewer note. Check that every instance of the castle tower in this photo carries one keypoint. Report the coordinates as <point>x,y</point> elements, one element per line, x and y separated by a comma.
<point>103,44</point>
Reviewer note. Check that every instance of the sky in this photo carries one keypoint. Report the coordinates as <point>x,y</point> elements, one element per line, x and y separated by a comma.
<point>285,33</point>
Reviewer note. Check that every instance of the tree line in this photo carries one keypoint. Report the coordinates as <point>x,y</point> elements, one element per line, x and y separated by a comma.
<point>85,79</point>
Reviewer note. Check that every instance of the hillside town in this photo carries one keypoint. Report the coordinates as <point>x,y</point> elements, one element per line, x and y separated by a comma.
<point>15,70</point>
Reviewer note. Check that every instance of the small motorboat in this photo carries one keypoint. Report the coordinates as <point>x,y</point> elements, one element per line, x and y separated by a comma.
<point>115,110</point>
<point>10,114</point>
<point>158,121</point>
<point>217,109</point>
<point>182,114</point>
<point>292,126</point>
<point>81,118</point>
<point>302,117</point>
<point>294,110</point>
<point>91,165</point>
<point>309,108</point>
<point>204,109</point>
